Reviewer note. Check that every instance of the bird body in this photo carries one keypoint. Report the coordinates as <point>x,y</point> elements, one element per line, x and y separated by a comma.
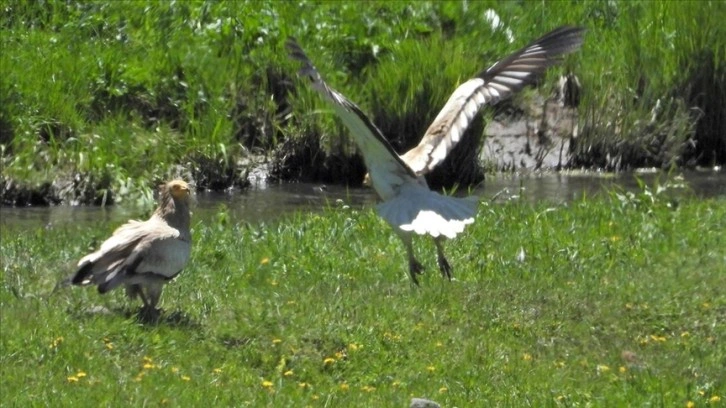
<point>409,206</point>
<point>143,255</point>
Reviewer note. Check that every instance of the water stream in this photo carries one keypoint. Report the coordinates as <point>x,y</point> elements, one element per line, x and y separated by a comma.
<point>271,202</point>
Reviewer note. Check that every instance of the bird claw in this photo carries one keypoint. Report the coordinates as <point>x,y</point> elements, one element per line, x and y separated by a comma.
<point>444,267</point>
<point>149,314</point>
<point>415,268</point>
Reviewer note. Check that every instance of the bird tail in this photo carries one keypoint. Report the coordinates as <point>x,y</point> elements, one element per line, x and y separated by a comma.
<point>430,214</point>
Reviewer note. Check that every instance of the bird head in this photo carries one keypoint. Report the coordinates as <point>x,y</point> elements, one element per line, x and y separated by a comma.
<point>179,189</point>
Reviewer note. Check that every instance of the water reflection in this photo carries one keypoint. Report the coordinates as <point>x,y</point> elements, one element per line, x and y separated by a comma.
<point>273,201</point>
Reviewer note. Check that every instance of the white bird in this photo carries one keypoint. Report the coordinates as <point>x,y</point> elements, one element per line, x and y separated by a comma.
<point>409,206</point>
<point>143,255</point>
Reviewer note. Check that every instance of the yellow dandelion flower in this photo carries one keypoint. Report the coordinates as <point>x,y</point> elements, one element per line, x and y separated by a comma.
<point>217,370</point>
<point>329,360</point>
<point>615,238</point>
<point>185,378</point>
<point>560,397</point>
<point>353,347</point>
<point>690,404</point>
<point>109,346</point>
<point>658,338</point>
<point>602,368</point>
<point>147,359</point>
<point>629,306</point>
<point>685,334</point>
<point>174,370</point>
<point>623,369</point>
<point>72,379</point>
<point>264,261</point>
<point>56,342</point>
<point>527,357</point>
<point>267,384</point>
<point>344,387</point>
<point>431,368</point>
<point>303,384</point>
<point>714,399</point>
<point>396,383</point>
<point>81,374</point>
<point>149,366</point>
<point>702,393</point>
<point>276,341</point>
<point>439,344</point>
<point>287,373</point>
<point>339,355</point>
<point>443,390</point>
<point>368,388</point>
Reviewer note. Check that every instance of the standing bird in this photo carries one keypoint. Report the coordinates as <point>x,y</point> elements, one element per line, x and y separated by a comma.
<point>409,206</point>
<point>144,255</point>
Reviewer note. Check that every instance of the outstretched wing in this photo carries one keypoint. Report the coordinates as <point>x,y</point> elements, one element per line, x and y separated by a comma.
<point>387,169</point>
<point>500,81</point>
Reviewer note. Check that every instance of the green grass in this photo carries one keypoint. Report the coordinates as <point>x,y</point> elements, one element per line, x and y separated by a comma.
<point>618,301</point>
<point>133,93</point>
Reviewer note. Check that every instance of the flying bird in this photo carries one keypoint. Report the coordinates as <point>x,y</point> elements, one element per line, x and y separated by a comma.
<point>143,255</point>
<point>409,206</point>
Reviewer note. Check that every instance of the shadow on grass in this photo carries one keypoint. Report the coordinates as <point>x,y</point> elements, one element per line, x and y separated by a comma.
<point>177,319</point>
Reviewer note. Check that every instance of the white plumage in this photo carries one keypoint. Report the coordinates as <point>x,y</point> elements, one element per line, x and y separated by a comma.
<point>409,206</point>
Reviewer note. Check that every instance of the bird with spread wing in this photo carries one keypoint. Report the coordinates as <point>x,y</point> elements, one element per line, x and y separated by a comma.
<point>409,206</point>
<point>143,255</point>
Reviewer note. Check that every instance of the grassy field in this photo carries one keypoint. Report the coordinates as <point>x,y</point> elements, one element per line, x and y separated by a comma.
<point>616,301</point>
<point>108,98</point>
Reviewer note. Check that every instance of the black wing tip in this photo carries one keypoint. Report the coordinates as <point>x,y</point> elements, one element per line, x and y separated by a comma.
<point>561,40</point>
<point>81,274</point>
<point>551,48</point>
<point>294,50</point>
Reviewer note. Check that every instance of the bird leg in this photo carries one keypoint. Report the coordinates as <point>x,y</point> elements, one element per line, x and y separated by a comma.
<point>444,266</point>
<point>414,266</point>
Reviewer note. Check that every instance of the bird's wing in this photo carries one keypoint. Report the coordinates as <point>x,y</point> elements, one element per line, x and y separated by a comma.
<point>134,247</point>
<point>160,254</point>
<point>500,81</point>
<point>112,253</point>
<point>387,169</point>
<point>164,254</point>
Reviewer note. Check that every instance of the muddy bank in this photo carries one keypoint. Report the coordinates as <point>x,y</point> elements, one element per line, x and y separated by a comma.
<point>539,134</point>
<point>532,133</point>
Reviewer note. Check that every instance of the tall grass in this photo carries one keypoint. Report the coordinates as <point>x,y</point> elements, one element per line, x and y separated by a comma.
<point>107,92</point>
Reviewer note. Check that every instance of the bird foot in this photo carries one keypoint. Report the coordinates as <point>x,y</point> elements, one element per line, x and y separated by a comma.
<point>415,268</point>
<point>149,314</point>
<point>444,267</point>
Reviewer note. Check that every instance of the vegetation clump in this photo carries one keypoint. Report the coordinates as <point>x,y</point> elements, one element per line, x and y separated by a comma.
<point>134,93</point>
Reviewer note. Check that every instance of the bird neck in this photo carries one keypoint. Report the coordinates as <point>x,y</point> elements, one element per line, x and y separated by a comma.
<point>174,212</point>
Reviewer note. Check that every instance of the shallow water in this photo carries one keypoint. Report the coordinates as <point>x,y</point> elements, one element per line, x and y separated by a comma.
<point>271,202</point>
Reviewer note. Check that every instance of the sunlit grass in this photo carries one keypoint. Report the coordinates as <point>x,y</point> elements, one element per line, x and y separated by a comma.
<point>611,301</point>
<point>136,92</point>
